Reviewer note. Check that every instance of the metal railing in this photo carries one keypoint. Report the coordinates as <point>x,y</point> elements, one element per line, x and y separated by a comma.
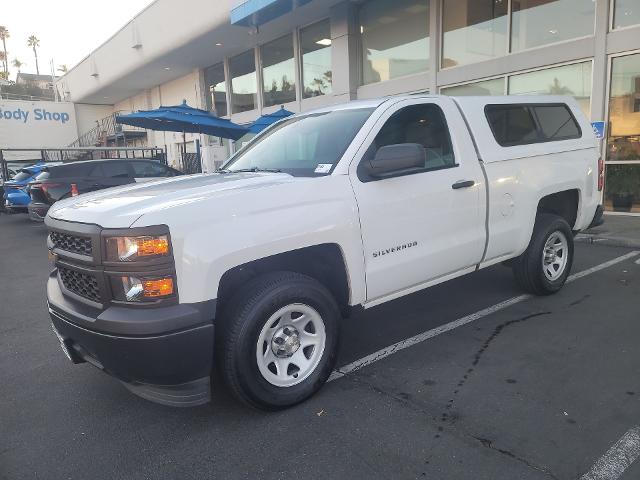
<point>105,129</point>
<point>22,157</point>
<point>28,98</point>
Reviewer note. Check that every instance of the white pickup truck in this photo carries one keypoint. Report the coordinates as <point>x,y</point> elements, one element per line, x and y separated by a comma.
<point>251,269</point>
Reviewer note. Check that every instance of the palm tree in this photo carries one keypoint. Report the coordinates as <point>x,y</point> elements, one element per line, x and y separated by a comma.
<point>4,34</point>
<point>18,64</point>
<point>63,69</point>
<point>34,43</point>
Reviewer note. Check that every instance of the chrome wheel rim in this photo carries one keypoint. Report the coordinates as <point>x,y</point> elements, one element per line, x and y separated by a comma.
<point>555,256</point>
<point>290,345</point>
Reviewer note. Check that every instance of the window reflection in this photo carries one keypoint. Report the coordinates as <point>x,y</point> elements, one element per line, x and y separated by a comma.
<point>572,80</point>
<point>541,22</point>
<point>244,89</point>
<point>278,71</point>
<point>216,90</point>
<point>315,46</point>
<point>626,13</point>
<point>484,87</point>
<point>624,110</point>
<point>473,30</point>
<point>395,38</point>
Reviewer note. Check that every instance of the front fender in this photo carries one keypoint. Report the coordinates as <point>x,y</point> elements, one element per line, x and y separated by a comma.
<point>209,239</point>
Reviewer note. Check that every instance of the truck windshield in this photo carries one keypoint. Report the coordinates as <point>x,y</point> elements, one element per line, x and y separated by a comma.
<point>304,146</point>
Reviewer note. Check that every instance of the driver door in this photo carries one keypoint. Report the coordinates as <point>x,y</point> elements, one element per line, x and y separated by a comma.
<point>422,226</point>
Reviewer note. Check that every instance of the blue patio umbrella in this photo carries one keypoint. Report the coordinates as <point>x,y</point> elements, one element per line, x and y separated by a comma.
<point>185,119</point>
<point>266,120</point>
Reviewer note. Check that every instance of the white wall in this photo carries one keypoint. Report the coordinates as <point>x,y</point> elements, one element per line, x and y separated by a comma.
<point>87,115</point>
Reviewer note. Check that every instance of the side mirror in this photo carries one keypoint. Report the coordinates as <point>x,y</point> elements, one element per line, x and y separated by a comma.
<point>398,159</point>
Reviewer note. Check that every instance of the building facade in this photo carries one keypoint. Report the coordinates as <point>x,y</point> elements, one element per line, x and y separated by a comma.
<point>243,58</point>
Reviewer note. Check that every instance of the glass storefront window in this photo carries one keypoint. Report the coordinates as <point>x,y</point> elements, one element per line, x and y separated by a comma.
<point>484,87</point>
<point>624,109</point>
<point>315,46</point>
<point>278,72</point>
<point>216,90</point>
<point>244,88</point>
<point>395,39</point>
<point>626,13</point>
<point>572,80</point>
<point>473,31</point>
<point>622,183</point>
<point>541,22</point>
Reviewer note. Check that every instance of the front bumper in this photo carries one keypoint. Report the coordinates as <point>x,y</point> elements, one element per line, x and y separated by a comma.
<point>162,354</point>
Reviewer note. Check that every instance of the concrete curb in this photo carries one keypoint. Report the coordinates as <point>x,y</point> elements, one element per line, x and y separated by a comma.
<point>608,241</point>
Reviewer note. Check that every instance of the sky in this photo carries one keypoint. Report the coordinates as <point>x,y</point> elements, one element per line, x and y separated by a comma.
<point>68,29</point>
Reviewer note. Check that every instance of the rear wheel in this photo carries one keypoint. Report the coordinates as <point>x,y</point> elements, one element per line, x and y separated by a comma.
<point>544,267</point>
<point>279,340</point>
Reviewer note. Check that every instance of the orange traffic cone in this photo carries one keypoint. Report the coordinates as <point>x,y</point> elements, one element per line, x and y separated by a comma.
<point>74,190</point>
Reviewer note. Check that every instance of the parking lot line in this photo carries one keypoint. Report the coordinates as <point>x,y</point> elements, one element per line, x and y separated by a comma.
<point>447,327</point>
<point>619,457</point>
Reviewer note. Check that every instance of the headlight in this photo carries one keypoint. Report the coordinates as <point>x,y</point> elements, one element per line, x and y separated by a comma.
<point>136,289</point>
<point>131,249</point>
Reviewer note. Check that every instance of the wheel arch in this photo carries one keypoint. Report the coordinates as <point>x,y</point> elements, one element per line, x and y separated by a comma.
<point>565,204</point>
<point>323,262</point>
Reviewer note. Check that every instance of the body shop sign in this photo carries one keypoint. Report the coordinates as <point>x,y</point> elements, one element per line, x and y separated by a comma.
<point>39,114</point>
<point>37,124</point>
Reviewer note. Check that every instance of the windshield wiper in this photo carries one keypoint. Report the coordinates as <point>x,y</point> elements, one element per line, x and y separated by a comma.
<point>252,170</point>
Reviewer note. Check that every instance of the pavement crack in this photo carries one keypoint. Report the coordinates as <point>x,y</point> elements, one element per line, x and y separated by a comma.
<point>457,431</point>
<point>579,301</point>
<point>446,415</point>
<point>485,442</point>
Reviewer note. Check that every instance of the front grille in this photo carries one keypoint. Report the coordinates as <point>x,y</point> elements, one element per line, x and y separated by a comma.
<point>79,283</point>
<point>72,243</point>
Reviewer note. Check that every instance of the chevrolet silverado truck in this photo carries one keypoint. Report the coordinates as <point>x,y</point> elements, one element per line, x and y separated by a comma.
<point>249,271</point>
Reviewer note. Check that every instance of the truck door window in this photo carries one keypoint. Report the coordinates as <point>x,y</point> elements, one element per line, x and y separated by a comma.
<point>424,124</point>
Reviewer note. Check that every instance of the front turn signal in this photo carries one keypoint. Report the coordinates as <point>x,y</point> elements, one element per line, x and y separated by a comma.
<point>137,289</point>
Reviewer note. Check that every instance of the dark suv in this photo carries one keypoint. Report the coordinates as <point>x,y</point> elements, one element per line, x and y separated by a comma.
<point>56,182</point>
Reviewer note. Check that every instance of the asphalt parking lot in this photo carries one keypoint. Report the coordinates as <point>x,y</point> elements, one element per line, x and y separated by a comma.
<point>535,388</point>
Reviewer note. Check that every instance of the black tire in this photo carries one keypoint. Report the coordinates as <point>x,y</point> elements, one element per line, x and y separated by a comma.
<point>528,267</point>
<point>242,321</point>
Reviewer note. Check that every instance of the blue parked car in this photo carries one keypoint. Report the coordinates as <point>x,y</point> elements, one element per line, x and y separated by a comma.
<point>16,191</point>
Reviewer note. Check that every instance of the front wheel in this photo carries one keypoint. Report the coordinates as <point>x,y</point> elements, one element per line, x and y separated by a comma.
<point>544,267</point>
<point>279,340</point>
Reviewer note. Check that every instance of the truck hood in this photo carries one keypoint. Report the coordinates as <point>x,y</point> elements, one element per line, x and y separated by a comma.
<point>120,207</point>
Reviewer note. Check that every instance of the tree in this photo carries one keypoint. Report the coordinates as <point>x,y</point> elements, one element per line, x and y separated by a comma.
<point>4,34</point>
<point>34,43</point>
<point>17,64</point>
<point>63,68</point>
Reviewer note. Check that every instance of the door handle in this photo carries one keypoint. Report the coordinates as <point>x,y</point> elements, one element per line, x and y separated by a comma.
<point>463,184</point>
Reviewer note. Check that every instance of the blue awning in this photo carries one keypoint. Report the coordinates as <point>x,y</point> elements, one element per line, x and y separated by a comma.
<point>258,12</point>
<point>266,120</point>
<point>183,118</point>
